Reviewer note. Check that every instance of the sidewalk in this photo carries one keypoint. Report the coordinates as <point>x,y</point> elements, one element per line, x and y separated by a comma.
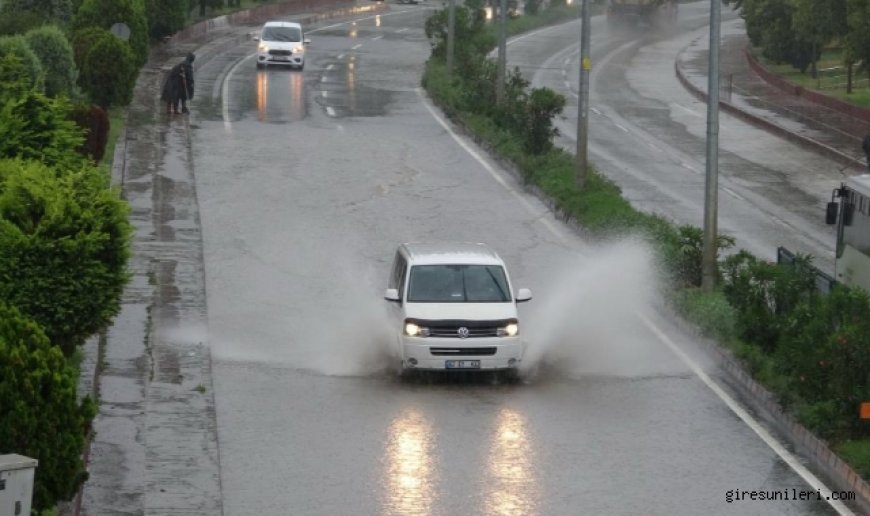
<point>747,95</point>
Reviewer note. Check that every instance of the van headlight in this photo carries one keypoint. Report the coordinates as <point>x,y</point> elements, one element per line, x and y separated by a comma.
<point>263,47</point>
<point>415,330</point>
<point>509,330</point>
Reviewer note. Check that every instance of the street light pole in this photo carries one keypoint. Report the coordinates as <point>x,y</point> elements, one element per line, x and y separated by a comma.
<point>581,156</point>
<point>502,52</point>
<point>711,190</point>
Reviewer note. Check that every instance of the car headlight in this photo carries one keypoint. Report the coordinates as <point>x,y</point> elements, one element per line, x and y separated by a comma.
<point>510,330</point>
<point>299,49</point>
<point>263,48</point>
<point>415,330</point>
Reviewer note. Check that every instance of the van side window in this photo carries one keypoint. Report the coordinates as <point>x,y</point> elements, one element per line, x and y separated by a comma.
<point>402,275</point>
<point>397,272</point>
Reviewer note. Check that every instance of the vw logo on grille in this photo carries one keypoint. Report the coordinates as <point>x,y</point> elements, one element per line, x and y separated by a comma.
<point>463,332</point>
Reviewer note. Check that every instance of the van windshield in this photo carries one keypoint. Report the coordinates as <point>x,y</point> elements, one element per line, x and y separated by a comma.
<point>278,33</point>
<point>458,284</point>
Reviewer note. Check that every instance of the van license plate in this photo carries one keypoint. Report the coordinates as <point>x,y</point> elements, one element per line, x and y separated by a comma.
<point>462,364</point>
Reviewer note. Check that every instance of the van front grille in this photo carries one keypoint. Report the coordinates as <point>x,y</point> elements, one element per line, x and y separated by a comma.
<point>462,352</point>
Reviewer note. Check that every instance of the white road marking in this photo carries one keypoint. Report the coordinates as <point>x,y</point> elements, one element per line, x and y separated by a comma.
<point>689,167</point>
<point>736,195</point>
<point>402,29</point>
<point>492,172</point>
<point>322,78</point>
<point>330,67</point>
<point>376,38</point>
<point>690,111</point>
<point>623,129</point>
<point>225,93</point>
<point>340,56</point>
<point>356,46</point>
<point>595,110</point>
<point>330,111</point>
<point>323,93</point>
<point>751,422</point>
<point>653,146</point>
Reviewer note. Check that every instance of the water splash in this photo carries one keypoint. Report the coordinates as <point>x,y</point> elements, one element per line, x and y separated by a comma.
<point>583,322</point>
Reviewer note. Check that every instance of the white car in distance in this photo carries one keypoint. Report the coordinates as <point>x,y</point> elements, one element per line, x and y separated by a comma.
<point>281,43</point>
<point>453,309</point>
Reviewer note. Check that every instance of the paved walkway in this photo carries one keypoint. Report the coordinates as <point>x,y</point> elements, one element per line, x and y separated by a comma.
<point>744,93</point>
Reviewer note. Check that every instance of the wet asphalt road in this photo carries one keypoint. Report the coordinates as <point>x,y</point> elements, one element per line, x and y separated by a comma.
<point>648,134</point>
<point>306,183</point>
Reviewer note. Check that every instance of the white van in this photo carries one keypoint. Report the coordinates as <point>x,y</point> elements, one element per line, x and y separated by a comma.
<point>453,309</point>
<point>281,43</point>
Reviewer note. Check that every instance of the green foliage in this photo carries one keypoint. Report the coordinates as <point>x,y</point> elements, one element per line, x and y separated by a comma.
<point>709,311</point>
<point>857,454</point>
<point>18,22</point>
<point>18,46</point>
<point>165,17</point>
<point>543,104</point>
<point>37,127</point>
<point>46,11</point>
<point>64,245</point>
<point>83,41</point>
<point>109,72</point>
<point>40,415</point>
<point>105,13</point>
<point>15,82</point>
<point>56,56</point>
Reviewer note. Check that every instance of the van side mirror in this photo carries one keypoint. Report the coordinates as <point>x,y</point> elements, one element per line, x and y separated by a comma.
<point>392,294</point>
<point>306,41</point>
<point>255,38</point>
<point>831,213</point>
<point>524,295</point>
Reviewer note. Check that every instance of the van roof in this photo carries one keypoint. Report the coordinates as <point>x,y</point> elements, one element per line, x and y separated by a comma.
<point>861,183</point>
<point>282,24</point>
<point>451,253</point>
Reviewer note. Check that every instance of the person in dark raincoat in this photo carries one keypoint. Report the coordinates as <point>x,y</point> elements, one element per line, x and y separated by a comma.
<point>178,88</point>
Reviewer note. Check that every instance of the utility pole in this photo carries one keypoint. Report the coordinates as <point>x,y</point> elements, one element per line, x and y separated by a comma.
<point>451,36</point>
<point>581,156</point>
<point>711,190</point>
<point>502,52</point>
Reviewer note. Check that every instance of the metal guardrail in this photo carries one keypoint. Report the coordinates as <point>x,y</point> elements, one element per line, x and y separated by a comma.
<point>824,281</point>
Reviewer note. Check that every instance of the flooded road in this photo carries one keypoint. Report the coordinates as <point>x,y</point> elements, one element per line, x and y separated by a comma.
<point>307,182</point>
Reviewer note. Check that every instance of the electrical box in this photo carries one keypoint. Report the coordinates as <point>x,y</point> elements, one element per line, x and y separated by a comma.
<point>16,484</point>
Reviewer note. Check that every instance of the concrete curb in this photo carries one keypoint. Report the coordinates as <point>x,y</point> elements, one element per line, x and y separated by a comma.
<point>767,125</point>
<point>813,96</point>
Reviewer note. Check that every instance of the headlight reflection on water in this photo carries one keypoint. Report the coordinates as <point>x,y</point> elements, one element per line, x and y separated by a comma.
<point>411,482</point>
<point>511,484</point>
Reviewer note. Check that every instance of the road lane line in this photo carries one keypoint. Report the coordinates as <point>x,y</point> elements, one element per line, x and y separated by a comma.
<point>402,30</point>
<point>621,128</point>
<point>340,56</point>
<point>495,174</point>
<point>376,38</point>
<point>330,111</point>
<point>356,46</point>
<point>225,93</point>
<point>330,67</point>
<point>749,421</point>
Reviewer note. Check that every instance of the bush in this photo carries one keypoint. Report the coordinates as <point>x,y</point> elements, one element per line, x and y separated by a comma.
<point>56,56</point>
<point>109,72</point>
<point>39,128</point>
<point>710,311</point>
<point>14,80</point>
<point>18,46</point>
<point>165,17</point>
<point>543,104</point>
<point>18,22</point>
<point>64,245</point>
<point>83,41</point>
<point>40,415</point>
<point>46,11</point>
<point>94,121</point>
<point>105,13</point>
